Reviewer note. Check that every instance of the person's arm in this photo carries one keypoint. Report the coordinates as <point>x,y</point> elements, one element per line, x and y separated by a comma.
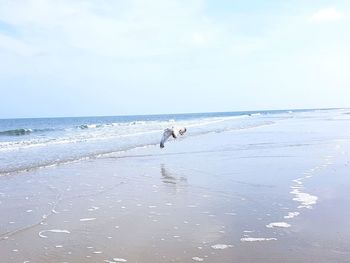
<point>173,134</point>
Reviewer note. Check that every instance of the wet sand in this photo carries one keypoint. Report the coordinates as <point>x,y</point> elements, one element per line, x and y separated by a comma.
<point>277,193</point>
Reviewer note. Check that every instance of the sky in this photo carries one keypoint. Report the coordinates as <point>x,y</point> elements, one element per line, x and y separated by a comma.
<point>127,57</point>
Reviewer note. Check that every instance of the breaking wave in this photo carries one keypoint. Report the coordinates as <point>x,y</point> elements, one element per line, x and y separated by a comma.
<point>16,132</point>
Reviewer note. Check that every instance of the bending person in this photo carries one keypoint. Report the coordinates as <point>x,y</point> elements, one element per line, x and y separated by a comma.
<point>174,132</point>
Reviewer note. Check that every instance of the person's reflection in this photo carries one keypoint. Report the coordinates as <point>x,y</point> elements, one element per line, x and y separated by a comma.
<point>171,180</point>
<point>167,177</point>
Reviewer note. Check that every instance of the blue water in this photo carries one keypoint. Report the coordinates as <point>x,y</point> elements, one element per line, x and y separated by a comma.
<point>31,143</point>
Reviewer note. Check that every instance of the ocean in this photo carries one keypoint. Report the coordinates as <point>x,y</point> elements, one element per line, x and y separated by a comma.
<point>33,143</point>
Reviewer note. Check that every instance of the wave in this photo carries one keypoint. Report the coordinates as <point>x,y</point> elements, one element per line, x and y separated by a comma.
<point>90,138</point>
<point>16,132</point>
<point>88,126</point>
<point>25,131</point>
<point>115,124</point>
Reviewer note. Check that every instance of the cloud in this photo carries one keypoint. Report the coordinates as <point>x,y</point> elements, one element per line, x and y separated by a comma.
<point>12,45</point>
<point>326,15</point>
<point>132,29</point>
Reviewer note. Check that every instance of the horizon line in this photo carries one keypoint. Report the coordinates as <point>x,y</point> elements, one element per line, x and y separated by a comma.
<point>183,113</point>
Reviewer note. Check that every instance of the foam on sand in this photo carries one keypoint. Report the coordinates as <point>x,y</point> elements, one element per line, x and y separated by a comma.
<point>93,208</point>
<point>119,260</point>
<point>53,231</point>
<point>197,259</point>
<point>305,199</point>
<point>87,219</point>
<point>115,260</point>
<point>254,239</point>
<point>291,215</point>
<point>278,224</point>
<point>220,246</point>
<point>230,213</point>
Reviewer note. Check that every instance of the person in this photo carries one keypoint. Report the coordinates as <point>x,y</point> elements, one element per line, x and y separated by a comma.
<point>174,132</point>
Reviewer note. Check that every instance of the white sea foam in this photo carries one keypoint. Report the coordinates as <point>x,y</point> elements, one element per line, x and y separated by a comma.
<point>197,259</point>
<point>255,239</point>
<point>119,260</point>
<point>298,181</point>
<point>93,208</point>
<point>87,219</point>
<point>53,231</point>
<point>291,215</point>
<point>305,199</point>
<point>278,224</point>
<point>230,213</point>
<point>220,246</point>
<point>208,121</point>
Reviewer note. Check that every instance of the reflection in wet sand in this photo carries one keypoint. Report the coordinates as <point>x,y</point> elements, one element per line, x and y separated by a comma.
<point>171,179</point>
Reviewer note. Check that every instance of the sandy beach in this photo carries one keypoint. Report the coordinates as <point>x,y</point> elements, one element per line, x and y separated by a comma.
<point>275,193</point>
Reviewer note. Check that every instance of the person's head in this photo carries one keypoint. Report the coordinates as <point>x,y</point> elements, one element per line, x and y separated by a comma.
<point>182,130</point>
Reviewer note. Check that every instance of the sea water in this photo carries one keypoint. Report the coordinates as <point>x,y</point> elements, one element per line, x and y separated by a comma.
<point>32,143</point>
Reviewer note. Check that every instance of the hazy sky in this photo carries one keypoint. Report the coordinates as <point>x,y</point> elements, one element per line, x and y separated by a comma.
<point>112,57</point>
